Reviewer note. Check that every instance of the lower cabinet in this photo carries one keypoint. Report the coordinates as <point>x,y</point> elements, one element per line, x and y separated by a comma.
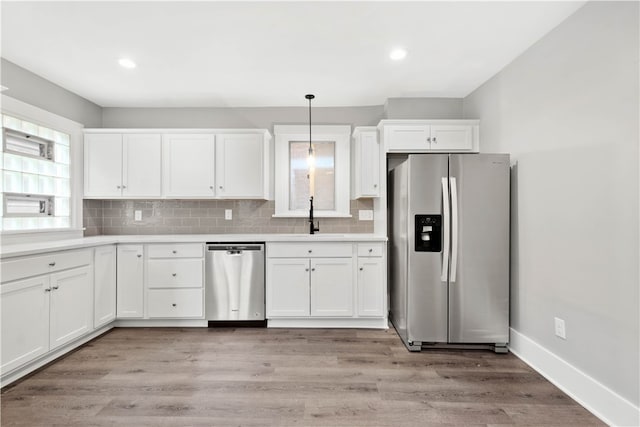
<point>70,306</point>
<point>44,312</point>
<point>326,281</point>
<point>174,303</point>
<point>104,273</point>
<point>130,279</point>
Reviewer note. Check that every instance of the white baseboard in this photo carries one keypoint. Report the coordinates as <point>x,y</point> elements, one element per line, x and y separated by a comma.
<point>301,322</point>
<point>597,398</point>
<point>160,323</point>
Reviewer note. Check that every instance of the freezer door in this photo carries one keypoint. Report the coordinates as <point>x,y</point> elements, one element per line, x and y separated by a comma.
<point>479,274</point>
<point>427,286</point>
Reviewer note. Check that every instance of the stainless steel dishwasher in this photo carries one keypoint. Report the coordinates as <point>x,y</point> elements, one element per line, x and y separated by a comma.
<point>234,280</point>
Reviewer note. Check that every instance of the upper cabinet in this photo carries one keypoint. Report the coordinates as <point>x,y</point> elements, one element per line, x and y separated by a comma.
<point>221,164</point>
<point>188,169</point>
<point>242,166</point>
<point>365,163</point>
<point>431,135</point>
<point>122,165</point>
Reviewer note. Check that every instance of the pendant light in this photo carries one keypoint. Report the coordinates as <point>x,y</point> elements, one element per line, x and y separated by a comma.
<point>310,158</point>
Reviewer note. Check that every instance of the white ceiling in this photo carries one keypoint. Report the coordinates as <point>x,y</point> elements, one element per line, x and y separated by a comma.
<point>217,54</point>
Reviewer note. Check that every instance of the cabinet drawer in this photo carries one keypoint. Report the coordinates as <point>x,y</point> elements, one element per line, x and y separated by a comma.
<point>43,264</point>
<point>306,250</point>
<point>176,250</point>
<point>171,303</point>
<point>174,273</point>
<point>370,249</point>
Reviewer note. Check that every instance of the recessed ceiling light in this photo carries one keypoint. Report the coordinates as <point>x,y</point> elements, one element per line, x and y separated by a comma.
<point>126,63</point>
<point>398,53</point>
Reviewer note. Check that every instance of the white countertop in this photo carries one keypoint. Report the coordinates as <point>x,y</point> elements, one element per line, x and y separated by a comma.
<point>8,251</point>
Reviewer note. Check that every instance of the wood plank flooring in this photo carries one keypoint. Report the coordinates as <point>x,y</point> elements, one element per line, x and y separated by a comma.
<point>282,377</point>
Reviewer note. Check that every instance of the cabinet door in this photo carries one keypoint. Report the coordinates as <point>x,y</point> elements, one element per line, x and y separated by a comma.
<point>104,295</point>
<point>240,166</point>
<point>332,287</point>
<point>451,137</point>
<point>103,165</point>
<point>188,165</point>
<point>130,285</point>
<point>25,321</point>
<point>288,287</point>
<point>71,305</point>
<point>407,137</point>
<point>367,165</point>
<point>371,289</point>
<point>141,165</point>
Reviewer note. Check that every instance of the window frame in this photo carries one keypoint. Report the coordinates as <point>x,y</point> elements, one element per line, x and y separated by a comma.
<point>341,136</point>
<point>23,111</point>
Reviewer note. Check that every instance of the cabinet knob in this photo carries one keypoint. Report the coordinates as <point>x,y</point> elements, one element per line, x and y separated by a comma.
<point>174,274</point>
<point>310,251</point>
<point>313,269</point>
<point>361,268</point>
<point>139,255</point>
<point>434,140</point>
<point>220,187</point>
<point>174,305</point>
<point>306,269</point>
<point>48,290</point>
<point>119,187</point>
<point>55,287</point>
<point>429,139</point>
<point>174,252</point>
<point>124,186</point>
<point>375,185</point>
<point>52,264</point>
<point>370,250</point>
<point>211,187</point>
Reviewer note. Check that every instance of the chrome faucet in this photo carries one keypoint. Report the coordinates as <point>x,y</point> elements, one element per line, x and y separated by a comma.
<point>312,227</point>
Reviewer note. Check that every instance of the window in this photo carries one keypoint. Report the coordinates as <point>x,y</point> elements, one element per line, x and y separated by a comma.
<point>36,184</point>
<point>327,179</point>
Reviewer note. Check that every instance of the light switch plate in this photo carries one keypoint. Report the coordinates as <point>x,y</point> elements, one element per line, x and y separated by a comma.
<point>228,214</point>
<point>137,215</point>
<point>365,215</point>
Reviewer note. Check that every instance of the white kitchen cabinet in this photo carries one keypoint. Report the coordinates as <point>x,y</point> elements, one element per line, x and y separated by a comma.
<point>288,292</point>
<point>122,165</point>
<point>175,281</point>
<point>130,281</point>
<point>331,287</point>
<point>371,283</point>
<point>242,162</point>
<point>365,173</point>
<point>309,280</point>
<point>71,305</point>
<point>25,321</point>
<point>188,165</point>
<point>430,135</point>
<point>46,302</point>
<point>104,268</point>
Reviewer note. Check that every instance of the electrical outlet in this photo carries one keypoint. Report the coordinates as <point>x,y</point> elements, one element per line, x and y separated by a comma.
<point>365,215</point>
<point>560,329</point>
<point>137,215</point>
<point>228,214</point>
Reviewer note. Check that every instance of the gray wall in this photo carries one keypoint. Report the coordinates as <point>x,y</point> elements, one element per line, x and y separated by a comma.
<point>567,111</point>
<point>423,108</point>
<point>33,89</point>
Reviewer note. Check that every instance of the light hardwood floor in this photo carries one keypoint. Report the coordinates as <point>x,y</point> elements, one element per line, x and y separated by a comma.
<point>282,377</point>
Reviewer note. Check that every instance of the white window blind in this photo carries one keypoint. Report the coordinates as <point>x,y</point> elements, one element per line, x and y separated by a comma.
<point>36,184</point>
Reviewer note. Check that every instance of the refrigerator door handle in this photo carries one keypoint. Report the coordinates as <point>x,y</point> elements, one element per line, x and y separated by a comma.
<point>445,231</point>
<point>454,229</point>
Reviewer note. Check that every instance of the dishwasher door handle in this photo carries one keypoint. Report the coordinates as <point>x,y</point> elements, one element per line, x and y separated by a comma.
<point>234,252</point>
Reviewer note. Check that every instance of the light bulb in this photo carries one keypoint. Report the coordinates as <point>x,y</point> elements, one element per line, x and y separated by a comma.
<point>311,161</point>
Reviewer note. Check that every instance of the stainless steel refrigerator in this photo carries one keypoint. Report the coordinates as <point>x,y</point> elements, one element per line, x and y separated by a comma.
<point>449,269</point>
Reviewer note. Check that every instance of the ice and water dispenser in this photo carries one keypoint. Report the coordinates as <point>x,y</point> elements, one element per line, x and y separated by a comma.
<point>428,232</point>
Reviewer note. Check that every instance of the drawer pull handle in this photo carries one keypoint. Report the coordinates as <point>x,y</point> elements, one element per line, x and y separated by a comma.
<point>52,264</point>
<point>174,274</point>
<point>174,304</point>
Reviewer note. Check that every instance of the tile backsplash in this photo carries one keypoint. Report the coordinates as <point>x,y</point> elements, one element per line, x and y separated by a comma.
<point>207,217</point>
